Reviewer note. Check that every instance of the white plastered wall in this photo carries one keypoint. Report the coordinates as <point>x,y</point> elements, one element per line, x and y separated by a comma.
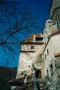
<point>28,58</point>
<point>56,43</point>
<point>54,47</point>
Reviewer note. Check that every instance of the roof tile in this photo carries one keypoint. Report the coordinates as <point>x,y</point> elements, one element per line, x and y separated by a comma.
<point>57,54</point>
<point>31,38</point>
<point>54,32</point>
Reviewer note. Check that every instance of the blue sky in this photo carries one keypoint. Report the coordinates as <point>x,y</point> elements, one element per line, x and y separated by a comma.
<point>40,9</point>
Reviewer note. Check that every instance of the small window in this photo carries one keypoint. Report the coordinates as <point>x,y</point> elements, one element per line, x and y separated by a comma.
<point>25,75</point>
<point>49,22</point>
<point>38,39</point>
<point>47,73</point>
<point>29,66</point>
<point>32,47</point>
<point>45,56</point>
<point>47,52</point>
<point>21,73</point>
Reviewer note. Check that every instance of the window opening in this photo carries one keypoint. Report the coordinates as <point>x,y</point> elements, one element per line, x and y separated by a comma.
<point>21,73</point>
<point>47,73</point>
<point>38,74</point>
<point>32,47</point>
<point>51,68</point>
<point>29,66</point>
<point>47,52</point>
<point>38,39</point>
<point>45,56</point>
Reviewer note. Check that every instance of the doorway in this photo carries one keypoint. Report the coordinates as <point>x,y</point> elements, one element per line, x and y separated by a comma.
<point>38,74</point>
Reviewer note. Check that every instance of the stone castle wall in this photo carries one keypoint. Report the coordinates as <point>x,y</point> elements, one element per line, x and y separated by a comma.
<point>55,12</point>
<point>55,4</point>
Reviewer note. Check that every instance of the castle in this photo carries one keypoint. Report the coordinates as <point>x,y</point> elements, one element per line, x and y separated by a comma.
<point>39,61</point>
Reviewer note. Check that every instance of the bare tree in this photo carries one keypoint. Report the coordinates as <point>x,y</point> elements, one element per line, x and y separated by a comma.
<point>13,24</point>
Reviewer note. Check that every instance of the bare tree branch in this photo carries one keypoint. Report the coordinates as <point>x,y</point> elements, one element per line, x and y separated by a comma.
<point>12,25</point>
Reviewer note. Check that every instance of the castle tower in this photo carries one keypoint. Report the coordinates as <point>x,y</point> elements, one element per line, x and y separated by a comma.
<point>31,53</point>
<point>51,54</point>
<point>55,12</point>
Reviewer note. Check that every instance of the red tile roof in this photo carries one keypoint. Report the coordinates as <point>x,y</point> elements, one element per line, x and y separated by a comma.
<point>54,32</point>
<point>57,54</point>
<point>30,38</point>
<point>38,36</point>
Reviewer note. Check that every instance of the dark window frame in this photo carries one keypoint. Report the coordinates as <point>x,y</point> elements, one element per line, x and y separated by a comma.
<point>47,52</point>
<point>39,39</point>
<point>29,66</point>
<point>32,47</point>
<point>21,73</point>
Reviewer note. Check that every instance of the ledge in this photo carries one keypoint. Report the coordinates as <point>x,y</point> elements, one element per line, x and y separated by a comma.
<point>31,43</point>
<point>27,51</point>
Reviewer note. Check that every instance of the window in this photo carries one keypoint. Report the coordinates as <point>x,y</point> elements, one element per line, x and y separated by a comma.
<point>51,68</point>
<point>25,75</point>
<point>49,22</point>
<point>45,56</point>
<point>38,39</point>
<point>29,66</point>
<point>38,74</point>
<point>32,47</point>
<point>47,52</point>
<point>21,73</point>
<point>47,73</point>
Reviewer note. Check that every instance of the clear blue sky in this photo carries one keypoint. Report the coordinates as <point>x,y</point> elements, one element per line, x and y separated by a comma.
<point>40,9</point>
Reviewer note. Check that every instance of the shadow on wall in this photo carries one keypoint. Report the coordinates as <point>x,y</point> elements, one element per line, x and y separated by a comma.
<point>39,58</point>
